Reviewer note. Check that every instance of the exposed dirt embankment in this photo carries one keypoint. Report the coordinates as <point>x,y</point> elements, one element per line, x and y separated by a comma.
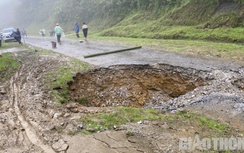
<point>134,85</point>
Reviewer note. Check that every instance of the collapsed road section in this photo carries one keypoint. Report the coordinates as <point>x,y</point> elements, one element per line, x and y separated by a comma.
<point>134,85</point>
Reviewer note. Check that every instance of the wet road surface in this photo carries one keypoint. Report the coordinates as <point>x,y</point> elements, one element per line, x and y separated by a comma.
<point>73,48</point>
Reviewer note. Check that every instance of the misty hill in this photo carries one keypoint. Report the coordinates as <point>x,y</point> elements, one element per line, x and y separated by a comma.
<point>174,19</point>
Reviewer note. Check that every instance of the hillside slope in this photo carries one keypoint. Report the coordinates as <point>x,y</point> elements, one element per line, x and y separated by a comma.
<point>171,19</point>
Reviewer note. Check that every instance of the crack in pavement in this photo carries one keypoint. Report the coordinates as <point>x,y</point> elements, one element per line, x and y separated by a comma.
<point>104,142</point>
<point>116,148</point>
<point>110,137</point>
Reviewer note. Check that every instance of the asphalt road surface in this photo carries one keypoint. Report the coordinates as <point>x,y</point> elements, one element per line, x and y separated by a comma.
<point>73,48</point>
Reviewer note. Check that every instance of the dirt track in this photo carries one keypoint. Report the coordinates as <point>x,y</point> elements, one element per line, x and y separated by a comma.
<point>31,122</point>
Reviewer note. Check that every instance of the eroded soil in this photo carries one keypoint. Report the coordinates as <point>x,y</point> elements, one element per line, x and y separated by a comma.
<point>134,85</point>
<point>31,122</point>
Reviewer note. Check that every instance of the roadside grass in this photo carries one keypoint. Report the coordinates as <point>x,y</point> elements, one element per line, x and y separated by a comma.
<point>151,30</point>
<point>59,86</point>
<point>124,115</point>
<point>63,74</point>
<point>6,45</point>
<point>203,121</point>
<point>209,49</point>
<point>8,65</point>
<point>7,62</point>
<point>44,52</point>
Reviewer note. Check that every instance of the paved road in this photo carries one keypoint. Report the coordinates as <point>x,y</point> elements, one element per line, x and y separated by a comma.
<point>73,48</point>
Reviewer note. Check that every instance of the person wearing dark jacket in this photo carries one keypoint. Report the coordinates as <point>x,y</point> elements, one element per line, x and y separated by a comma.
<point>77,29</point>
<point>17,36</point>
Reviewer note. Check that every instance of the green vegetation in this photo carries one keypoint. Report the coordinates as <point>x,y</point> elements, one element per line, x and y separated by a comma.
<point>123,115</point>
<point>214,20</point>
<point>63,74</point>
<point>83,101</point>
<point>163,25</point>
<point>44,52</point>
<point>204,122</point>
<point>193,47</point>
<point>4,46</point>
<point>212,28</point>
<point>10,45</point>
<point>8,65</point>
<point>178,32</point>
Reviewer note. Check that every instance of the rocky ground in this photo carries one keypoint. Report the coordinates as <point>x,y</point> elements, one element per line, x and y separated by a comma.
<point>32,122</point>
<point>135,85</point>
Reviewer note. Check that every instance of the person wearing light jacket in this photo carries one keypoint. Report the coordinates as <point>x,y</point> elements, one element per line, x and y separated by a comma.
<point>85,30</point>
<point>58,31</point>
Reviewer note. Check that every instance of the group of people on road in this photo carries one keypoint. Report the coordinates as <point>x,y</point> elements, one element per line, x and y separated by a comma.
<point>84,30</point>
<point>59,31</point>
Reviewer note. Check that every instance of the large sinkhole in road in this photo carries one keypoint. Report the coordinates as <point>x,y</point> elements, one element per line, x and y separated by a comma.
<point>133,85</point>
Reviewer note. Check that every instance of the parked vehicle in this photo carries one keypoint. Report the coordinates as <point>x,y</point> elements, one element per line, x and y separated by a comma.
<point>7,34</point>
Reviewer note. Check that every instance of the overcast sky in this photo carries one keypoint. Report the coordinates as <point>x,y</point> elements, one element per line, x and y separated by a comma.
<point>2,2</point>
<point>7,11</point>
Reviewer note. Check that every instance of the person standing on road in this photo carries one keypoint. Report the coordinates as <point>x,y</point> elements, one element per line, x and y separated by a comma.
<point>85,30</point>
<point>58,31</point>
<point>17,36</point>
<point>77,29</point>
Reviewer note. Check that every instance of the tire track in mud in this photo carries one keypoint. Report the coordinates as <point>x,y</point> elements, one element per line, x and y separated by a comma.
<point>29,130</point>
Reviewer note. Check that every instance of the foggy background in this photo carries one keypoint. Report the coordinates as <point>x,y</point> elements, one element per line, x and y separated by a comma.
<point>7,13</point>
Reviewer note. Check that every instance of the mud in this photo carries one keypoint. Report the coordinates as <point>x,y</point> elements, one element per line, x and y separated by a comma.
<point>23,112</point>
<point>32,122</point>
